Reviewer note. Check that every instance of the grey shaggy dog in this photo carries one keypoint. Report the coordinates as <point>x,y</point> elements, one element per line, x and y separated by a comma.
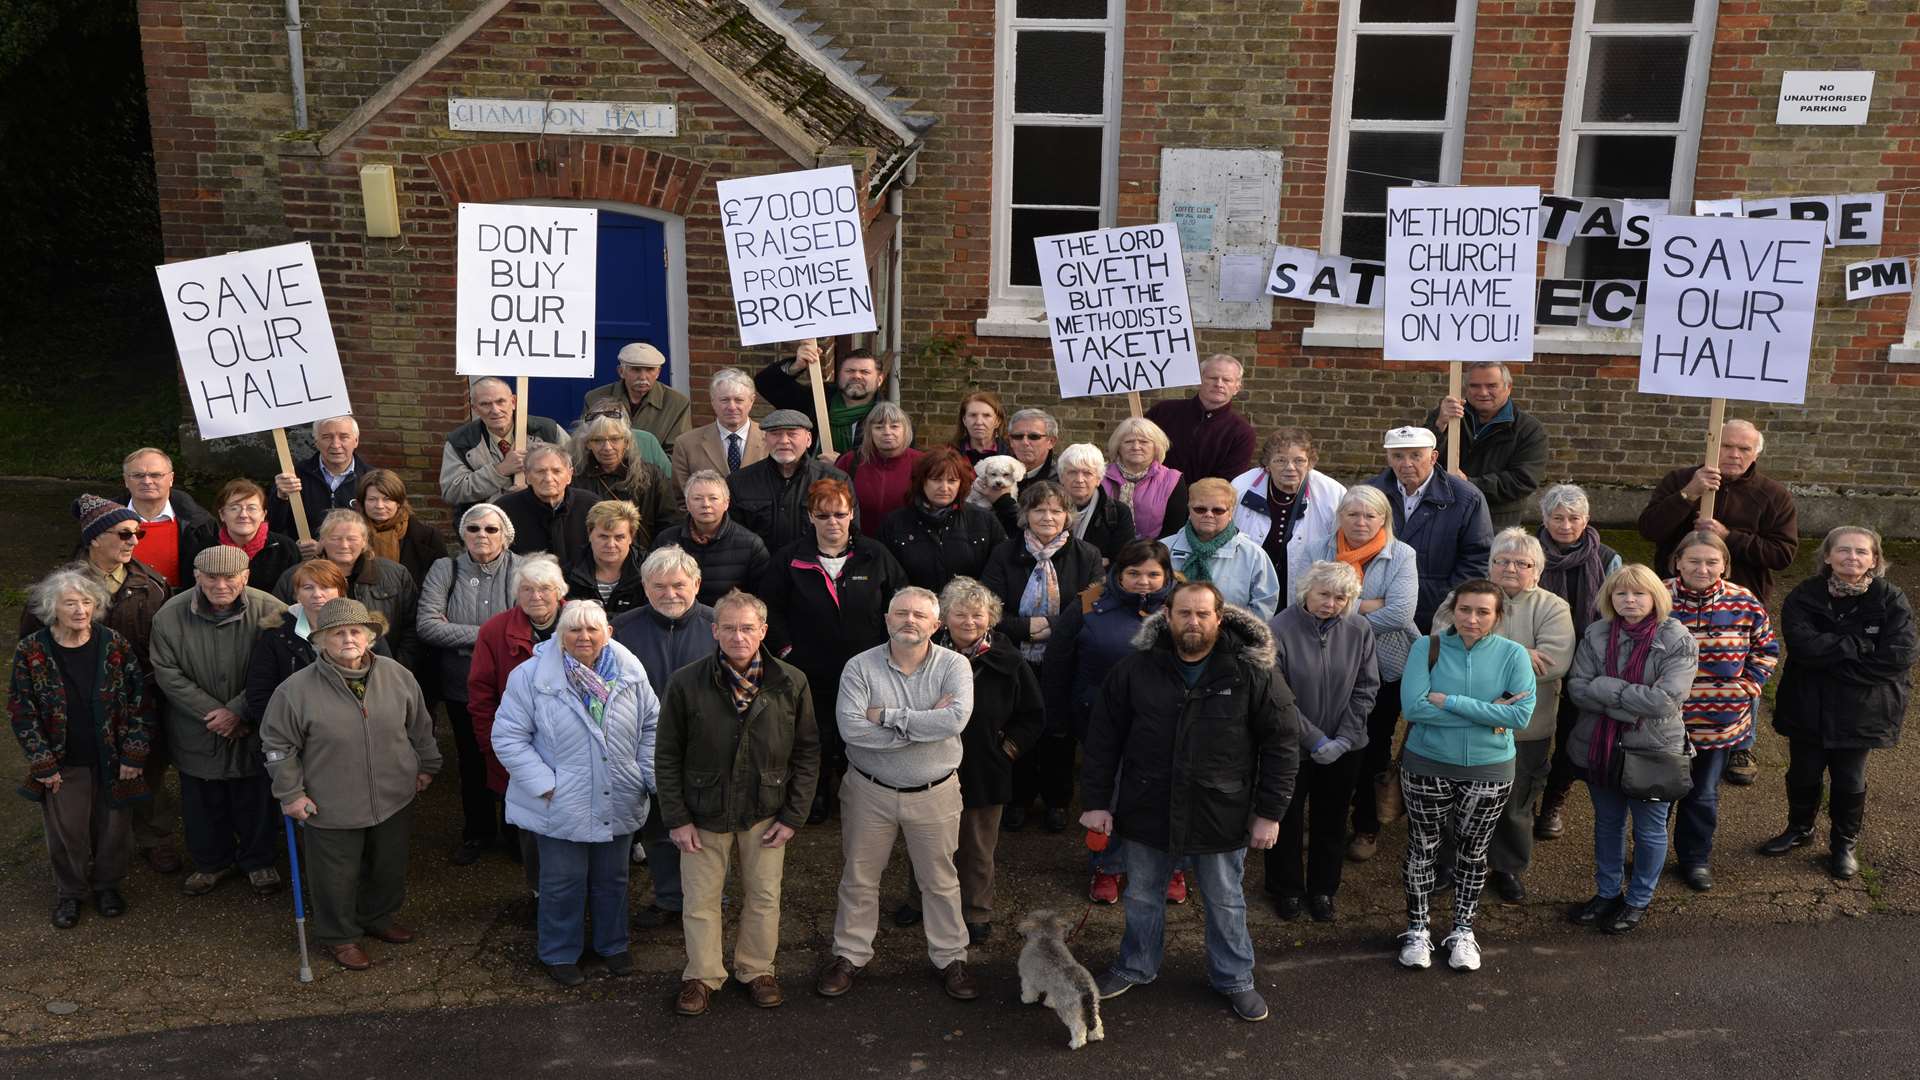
<point>1049,973</point>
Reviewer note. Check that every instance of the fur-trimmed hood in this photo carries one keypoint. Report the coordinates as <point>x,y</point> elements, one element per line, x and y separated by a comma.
<point>1240,630</point>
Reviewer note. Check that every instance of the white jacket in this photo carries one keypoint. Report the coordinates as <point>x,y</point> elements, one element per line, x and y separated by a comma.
<point>1241,571</point>
<point>1323,500</point>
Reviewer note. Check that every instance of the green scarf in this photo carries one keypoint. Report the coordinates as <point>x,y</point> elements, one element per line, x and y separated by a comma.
<point>841,417</point>
<point>1200,553</point>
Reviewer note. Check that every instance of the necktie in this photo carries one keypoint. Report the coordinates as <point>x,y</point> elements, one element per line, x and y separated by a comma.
<point>733,453</point>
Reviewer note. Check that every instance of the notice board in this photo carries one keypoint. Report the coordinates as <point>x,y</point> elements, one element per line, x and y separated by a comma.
<point>1226,206</point>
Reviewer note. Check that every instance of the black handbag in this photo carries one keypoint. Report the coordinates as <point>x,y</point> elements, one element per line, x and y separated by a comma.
<point>1654,775</point>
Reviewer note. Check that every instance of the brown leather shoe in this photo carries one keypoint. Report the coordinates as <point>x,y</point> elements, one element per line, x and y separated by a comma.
<point>836,978</point>
<point>765,990</point>
<point>693,999</point>
<point>393,935</point>
<point>163,859</point>
<point>958,982</point>
<point>351,956</point>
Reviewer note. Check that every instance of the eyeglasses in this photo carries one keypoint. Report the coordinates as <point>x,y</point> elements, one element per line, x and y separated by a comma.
<point>1028,437</point>
<point>488,529</point>
<point>1210,509</point>
<point>128,536</point>
<point>1514,564</point>
<point>148,475</point>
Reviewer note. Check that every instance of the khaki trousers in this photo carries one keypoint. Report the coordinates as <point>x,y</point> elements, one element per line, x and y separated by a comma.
<point>979,833</point>
<point>88,841</point>
<point>703,878</point>
<point>870,817</point>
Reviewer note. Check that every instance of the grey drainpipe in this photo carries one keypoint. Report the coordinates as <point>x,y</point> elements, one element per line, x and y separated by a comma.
<point>298,65</point>
<point>897,205</point>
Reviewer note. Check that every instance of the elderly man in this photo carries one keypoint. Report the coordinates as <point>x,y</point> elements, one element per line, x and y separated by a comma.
<point>1207,437</point>
<point>769,497</point>
<point>1503,451</point>
<point>1206,736</point>
<point>1031,435</point>
<point>329,480</point>
<point>732,442</point>
<point>852,393</point>
<point>745,720</point>
<point>730,556</point>
<point>549,514</point>
<point>673,630</point>
<point>202,642</point>
<point>903,706</point>
<point>648,404</point>
<point>1754,514</point>
<point>478,462</point>
<point>168,518</point>
<point>1442,518</point>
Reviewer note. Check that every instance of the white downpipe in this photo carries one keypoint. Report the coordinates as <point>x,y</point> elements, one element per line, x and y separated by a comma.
<point>298,65</point>
<point>897,205</point>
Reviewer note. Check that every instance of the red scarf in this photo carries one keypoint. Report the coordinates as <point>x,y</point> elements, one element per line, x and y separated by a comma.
<point>251,547</point>
<point>1602,768</point>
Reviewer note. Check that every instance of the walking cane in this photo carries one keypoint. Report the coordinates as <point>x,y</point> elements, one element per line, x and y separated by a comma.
<point>299,905</point>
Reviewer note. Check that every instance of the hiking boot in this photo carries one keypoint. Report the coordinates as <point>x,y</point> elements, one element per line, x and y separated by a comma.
<point>693,999</point>
<point>1625,920</point>
<point>1416,950</point>
<point>1740,768</point>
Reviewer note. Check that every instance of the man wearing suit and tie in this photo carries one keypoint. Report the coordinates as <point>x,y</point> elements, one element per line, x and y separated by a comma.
<point>731,442</point>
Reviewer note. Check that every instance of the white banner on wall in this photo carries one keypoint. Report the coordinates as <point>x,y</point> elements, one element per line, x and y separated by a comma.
<point>796,255</point>
<point>526,298</point>
<point>1117,310</point>
<point>1460,273</point>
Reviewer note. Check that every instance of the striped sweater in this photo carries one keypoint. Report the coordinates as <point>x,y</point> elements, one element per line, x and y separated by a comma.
<point>1738,652</point>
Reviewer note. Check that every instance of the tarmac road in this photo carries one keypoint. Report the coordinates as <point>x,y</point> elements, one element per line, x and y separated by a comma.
<point>1776,1002</point>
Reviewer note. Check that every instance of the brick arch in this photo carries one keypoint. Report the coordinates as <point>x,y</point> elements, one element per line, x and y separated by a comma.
<point>567,169</point>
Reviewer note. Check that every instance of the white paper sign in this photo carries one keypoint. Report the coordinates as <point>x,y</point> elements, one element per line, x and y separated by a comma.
<point>1292,272</point>
<point>1858,219</point>
<point>1117,310</point>
<point>1614,302</point>
<point>1717,207</point>
<point>255,345</point>
<point>1878,277</point>
<point>1241,280</point>
<point>526,302</point>
<point>1347,282</point>
<point>1636,221</point>
<point>1460,273</point>
<point>1824,97</point>
<point>1729,308</point>
<point>796,254</point>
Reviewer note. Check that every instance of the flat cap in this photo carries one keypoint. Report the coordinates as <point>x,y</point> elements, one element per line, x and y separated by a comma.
<point>221,559</point>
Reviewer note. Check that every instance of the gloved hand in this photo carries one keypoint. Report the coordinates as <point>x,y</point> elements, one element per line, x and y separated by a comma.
<point>1327,751</point>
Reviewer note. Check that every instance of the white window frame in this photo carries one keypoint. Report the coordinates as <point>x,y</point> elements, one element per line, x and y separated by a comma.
<point>1020,310</point>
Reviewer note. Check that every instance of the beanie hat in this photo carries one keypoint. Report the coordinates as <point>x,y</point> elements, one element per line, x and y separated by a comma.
<point>97,515</point>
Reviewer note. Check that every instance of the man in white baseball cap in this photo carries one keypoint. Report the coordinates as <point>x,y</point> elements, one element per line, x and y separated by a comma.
<point>647,403</point>
<point>1442,518</point>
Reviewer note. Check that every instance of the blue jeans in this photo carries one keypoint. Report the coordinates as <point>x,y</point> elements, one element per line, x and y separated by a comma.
<point>1223,898</point>
<point>1610,812</point>
<point>1699,813</point>
<point>578,880</point>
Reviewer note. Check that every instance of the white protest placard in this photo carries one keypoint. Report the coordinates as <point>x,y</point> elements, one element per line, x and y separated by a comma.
<point>795,251</point>
<point>1833,98</point>
<point>526,298</point>
<point>1729,308</point>
<point>256,348</point>
<point>1117,310</point>
<point>1292,272</point>
<point>1878,277</point>
<point>1460,273</point>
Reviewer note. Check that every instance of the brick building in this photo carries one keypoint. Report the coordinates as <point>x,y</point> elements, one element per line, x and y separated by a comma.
<point>979,124</point>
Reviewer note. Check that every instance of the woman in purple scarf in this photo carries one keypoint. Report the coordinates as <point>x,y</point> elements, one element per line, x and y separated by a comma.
<point>1577,562</point>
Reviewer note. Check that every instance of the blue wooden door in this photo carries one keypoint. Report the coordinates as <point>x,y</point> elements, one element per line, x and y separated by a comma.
<point>631,306</point>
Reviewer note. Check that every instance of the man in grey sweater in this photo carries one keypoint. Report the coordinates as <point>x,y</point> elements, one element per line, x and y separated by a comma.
<point>902,708</point>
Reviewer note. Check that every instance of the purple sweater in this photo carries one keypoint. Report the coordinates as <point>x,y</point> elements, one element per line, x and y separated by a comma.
<point>1219,443</point>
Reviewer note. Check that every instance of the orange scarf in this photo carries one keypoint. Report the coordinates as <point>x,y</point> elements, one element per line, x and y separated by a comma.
<point>1358,557</point>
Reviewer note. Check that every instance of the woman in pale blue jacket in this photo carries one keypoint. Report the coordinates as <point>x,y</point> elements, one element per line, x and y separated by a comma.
<point>575,733</point>
<point>1465,691</point>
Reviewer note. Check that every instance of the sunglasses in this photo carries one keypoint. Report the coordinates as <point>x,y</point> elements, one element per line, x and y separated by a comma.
<point>1026,437</point>
<point>130,535</point>
<point>1212,509</point>
<point>488,529</point>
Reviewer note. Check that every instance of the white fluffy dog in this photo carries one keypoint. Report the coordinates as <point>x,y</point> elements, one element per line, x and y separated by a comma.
<point>994,477</point>
<point>1049,973</point>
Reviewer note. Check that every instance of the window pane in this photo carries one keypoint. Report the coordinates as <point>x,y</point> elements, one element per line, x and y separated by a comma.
<point>1625,166</point>
<point>1635,80</point>
<point>1643,11</point>
<point>1401,77</point>
<point>1027,224</point>
<point>1059,71</point>
<point>1378,160</point>
<point>1057,165</point>
<point>1363,236</point>
<point>1400,11</point>
<point>1061,9</point>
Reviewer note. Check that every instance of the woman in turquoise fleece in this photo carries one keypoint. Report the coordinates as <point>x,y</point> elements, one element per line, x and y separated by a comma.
<point>1464,693</point>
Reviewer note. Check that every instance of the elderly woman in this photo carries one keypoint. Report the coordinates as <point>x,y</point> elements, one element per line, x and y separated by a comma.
<point>1324,649</point>
<point>1631,677</point>
<point>80,709</point>
<point>1850,652</point>
<point>1389,592</point>
<point>1006,723</point>
<point>1465,691</point>
<point>285,642</point>
<point>937,536</point>
<point>397,535</point>
<point>1094,632</point>
<point>1540,623</point>
<point>240,521</point>
<point>1286,505</point>
<point>982,430</point>
<point>1577,562</point>
<point>1138,478</point>
<point>462,593</point>
<point>881,468</point>
<point>381,584</point>
<point>349,744</point>
<point>609,569</point>
<point>1210,547</point>
<point>539,588</point>
<point>608,464</point>
<point>827,597</point>
<point>1098,518</point>
<point>575,734</point>
<point>1037,575</point>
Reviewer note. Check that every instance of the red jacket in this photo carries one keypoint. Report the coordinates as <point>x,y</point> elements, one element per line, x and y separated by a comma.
<point>505,641</point>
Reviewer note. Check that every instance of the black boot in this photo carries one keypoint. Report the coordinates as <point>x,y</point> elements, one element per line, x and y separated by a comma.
<point>1847,810</point>
<point>1803,806</point>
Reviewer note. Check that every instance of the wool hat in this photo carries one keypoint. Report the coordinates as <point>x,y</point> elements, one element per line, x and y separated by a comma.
<point>782,419</point>
<point>483,509</point>
<point>97,515</point>
<point>1404,438</point>
<point>221,560</point>
<point>346,611</point>
<point>641,354</point>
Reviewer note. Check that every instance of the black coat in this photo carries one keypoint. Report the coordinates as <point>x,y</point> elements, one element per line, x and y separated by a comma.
<point>775,506</point>
<point>655,501</point>
<point>1849,666</point>
<point>420,548</point>
<point>315,496</point>
<point>1506,461</point>
<point>1094,633</point>
<point>1110,526</point>
<point>278,652</point>
<point>818,630</point>
<point>1077,564</point>
<point>629,593</point>
<point>734,558</point>
<point>383,586</point>
<point>560,530</point>
<point>1193,766</point>
<point>934,549</point>
<point>277,556</point>
<point>1006,710</point>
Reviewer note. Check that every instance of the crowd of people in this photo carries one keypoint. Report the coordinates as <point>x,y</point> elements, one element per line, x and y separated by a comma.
<point>680,645</point>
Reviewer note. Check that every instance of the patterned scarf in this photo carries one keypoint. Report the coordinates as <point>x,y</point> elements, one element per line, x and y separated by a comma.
<point>1602,766</point>
<point>1573,573</point>
<point>1840,590</point>
<point>1200,553</point>
<point>1041,597</point>
<point>593,684</point>
<point>1128,482</point>
<point>743,685</point>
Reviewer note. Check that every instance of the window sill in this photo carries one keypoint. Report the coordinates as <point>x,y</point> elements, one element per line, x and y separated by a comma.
<point>1551,340</point>
<point>1905,353</point>
<point>1012,319</point>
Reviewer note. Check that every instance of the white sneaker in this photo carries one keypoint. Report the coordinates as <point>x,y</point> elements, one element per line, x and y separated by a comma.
<point>1416,949</point>
<point>1464,951</point>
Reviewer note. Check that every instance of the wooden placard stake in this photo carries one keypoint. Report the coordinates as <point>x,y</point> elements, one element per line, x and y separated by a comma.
<point>520,427</point>
<point>1716,419</point>
<point>1453,429</point>
<point>820,415</point>
<point>286,466</point>
<point>1133,404</point>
